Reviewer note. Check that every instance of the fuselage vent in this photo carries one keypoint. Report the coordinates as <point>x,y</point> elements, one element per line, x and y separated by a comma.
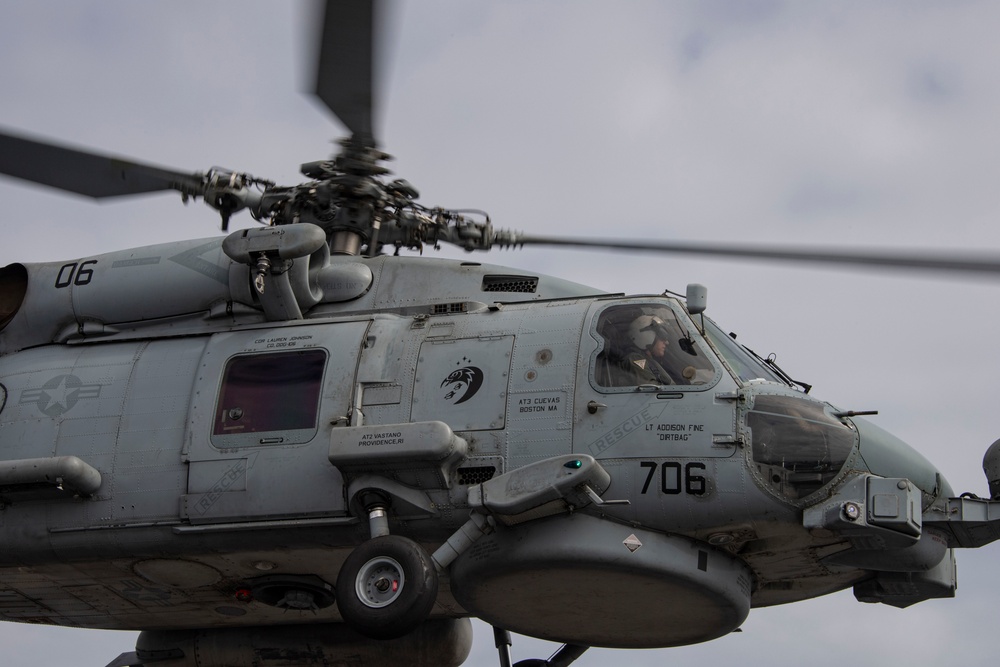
<point>523,284</point>
<point>475,474</point>
<point>449,308</point>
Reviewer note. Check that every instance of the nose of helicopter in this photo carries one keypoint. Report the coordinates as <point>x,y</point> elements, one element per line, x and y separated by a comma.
<point>801,445</point>
<point>888,456</point>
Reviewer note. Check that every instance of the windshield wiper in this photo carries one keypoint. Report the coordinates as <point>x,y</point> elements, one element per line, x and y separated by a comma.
<point>773,365</point>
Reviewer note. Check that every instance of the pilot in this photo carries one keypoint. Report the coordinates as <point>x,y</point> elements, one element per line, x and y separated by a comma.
<point>648,334</point>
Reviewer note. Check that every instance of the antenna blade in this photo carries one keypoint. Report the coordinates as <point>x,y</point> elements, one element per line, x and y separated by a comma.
<point>346,64</point>
<point>949,262</point>
<point>86,173</point>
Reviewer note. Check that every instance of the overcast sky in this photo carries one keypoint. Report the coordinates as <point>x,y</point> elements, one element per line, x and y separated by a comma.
<point>833,123</point>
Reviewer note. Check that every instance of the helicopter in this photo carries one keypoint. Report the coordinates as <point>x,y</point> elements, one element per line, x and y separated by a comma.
<point>956,457</point>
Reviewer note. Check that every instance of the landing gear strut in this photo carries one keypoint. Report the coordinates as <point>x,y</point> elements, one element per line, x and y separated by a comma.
<point>565,656</point>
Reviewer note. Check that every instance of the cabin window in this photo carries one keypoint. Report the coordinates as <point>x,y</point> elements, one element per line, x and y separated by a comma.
<point>646,344</point>
<point>269,398</point>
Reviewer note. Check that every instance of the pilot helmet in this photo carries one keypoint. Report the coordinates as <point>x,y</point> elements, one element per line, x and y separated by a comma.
<point>645,329</point>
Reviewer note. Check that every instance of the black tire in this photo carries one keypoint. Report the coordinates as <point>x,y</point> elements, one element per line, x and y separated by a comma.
<point>410,583</point>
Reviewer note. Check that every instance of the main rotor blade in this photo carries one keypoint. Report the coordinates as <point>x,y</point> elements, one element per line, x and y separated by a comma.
<point>86,173</point>
<point>346,68</point>
<point>939,261</point>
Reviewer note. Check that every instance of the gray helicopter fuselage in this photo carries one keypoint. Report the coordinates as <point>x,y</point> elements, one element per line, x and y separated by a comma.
<point>228,441</point>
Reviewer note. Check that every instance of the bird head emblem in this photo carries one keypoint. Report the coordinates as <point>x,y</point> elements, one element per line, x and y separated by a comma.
<point>462,384</point>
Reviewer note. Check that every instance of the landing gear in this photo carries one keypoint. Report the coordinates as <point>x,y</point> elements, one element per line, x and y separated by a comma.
<point>387,587</point>
<point>565,656</point>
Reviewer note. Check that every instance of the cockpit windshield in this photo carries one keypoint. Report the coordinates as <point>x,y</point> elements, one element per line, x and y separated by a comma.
<point>746,366</point>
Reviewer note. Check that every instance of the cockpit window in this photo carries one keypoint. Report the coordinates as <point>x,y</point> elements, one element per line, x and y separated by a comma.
<point>743,364</point>
<point>798,445</point>
<point>645,344</point>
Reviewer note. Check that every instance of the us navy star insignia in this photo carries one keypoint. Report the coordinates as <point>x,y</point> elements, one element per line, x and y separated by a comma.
<point>60,394</point>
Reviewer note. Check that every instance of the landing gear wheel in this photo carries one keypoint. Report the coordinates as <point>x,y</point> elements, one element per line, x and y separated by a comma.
<point>387,587</point>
